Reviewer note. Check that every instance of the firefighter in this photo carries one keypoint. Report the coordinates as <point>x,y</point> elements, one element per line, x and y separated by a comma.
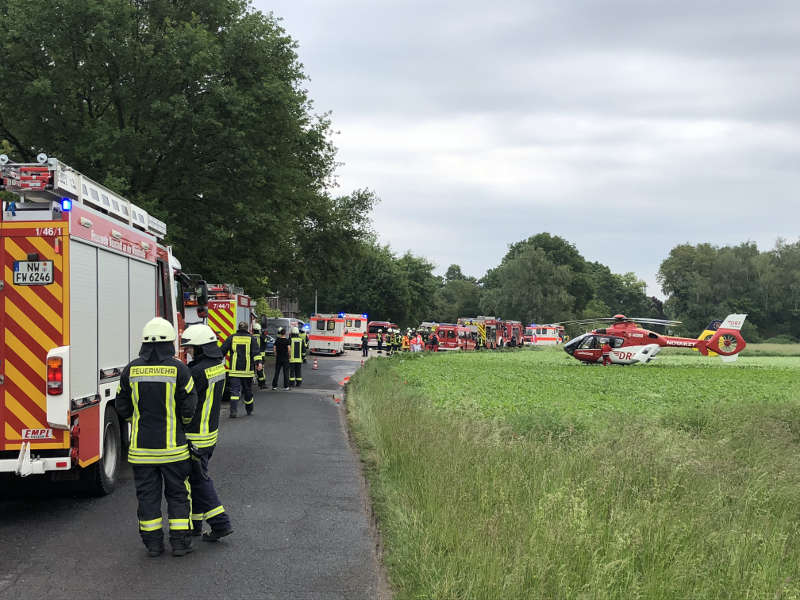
<point>281,359</point>
<point>405,343</point>
<point>379,339</point>
<point>365,344</point>
<point>155,391</point>
<point>244,350</point>
<point>304,337</point>
<point>262,347</point>
<point>434,342</point>
<point>208,373</point>
<point>295,358</point>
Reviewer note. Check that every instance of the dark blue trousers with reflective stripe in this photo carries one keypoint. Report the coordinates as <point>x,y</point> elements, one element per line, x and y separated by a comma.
<point>241,386</point>
<point>149,480</point>
<point>205,502</point>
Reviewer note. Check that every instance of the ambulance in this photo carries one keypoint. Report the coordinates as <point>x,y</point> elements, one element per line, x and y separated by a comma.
<point>543,335</point>
<point>326,334</point>
<point>83,271</point>
<point>355,325</point>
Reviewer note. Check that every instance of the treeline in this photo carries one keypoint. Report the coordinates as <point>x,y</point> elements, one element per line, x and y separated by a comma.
<point>705,281</point>
<point>541,279</point>
<point>194,110</point>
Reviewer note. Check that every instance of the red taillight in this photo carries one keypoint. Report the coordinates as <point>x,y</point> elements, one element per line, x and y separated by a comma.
<point>55,375</point>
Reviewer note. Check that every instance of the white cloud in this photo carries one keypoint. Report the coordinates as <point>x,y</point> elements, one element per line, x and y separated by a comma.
<point>625,126</point>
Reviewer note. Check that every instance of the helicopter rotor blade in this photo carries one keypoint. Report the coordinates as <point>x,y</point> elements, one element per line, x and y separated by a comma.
<point>650,321</point>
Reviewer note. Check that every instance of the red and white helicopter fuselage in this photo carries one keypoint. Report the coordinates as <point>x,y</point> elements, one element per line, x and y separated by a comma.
<point>625,343</point>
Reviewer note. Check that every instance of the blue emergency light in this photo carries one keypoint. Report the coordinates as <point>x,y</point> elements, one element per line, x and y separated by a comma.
<point>66,204</point>
<point>341,315</point>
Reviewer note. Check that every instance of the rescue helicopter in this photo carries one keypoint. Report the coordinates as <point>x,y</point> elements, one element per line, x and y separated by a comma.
<point>631,344</point>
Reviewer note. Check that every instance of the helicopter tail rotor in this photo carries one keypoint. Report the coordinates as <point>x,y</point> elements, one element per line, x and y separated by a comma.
<point>728,340</point>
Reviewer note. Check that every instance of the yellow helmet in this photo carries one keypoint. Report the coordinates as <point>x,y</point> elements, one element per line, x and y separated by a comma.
<point>158,330</point>
<point>295,330</point>
<point>198,335</point>
<point>256,328</point>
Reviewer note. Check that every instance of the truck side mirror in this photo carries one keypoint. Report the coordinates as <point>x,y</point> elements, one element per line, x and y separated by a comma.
<point>202,293</point>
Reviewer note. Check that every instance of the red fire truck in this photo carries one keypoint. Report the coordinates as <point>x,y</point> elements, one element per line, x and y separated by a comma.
<point>372,331</point>
<point>83,271</point>
<point>513,330</point>
<point>488,329</point>
<point>448,336</point>
<point>227,307</point>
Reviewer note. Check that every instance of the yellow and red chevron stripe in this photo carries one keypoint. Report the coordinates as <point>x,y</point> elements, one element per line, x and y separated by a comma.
<point>222,320</point>
<point>34,320</point>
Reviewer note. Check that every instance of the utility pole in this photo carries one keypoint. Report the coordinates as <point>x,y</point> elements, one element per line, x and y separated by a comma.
<point>315,301</point>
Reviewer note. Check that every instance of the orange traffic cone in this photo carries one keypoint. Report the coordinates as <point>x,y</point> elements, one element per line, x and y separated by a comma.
<point>316,365</point>
<point>362,362</point>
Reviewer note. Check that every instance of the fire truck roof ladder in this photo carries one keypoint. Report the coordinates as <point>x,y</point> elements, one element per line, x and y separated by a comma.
<point>51,181</point>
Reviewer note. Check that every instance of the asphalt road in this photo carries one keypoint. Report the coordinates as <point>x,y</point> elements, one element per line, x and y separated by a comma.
<point>288,479</point>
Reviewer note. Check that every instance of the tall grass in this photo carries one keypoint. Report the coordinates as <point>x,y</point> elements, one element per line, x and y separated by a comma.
<point>691,502</point>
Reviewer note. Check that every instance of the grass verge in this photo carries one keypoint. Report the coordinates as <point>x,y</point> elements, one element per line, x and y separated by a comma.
<point>695,500</point>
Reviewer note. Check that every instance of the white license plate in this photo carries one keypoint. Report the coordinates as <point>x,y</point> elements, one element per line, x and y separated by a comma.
<point>33,272</point>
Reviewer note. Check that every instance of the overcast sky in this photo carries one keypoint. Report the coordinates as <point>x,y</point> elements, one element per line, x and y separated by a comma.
<point>624,126</point>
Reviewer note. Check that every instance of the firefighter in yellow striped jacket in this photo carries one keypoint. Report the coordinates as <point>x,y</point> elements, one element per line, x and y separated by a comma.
<point>245,350</point>
<point>295,358</point>
<point>261,376</point>
<point>208,373</point>
<point>156,394</point>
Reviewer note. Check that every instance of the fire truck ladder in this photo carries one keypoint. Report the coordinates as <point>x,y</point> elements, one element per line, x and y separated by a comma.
<point>50,185</point>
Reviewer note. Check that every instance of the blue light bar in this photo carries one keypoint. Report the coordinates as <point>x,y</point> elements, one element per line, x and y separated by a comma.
<point>341,315</point>
<point>365,315</point>
<point>66,204</point>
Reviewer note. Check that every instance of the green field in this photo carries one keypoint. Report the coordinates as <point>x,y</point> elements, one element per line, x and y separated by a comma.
<point>528,475</point>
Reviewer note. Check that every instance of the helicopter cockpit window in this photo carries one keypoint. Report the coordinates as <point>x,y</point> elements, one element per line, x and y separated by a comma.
<point>617,342</point>
<point>588,343</point>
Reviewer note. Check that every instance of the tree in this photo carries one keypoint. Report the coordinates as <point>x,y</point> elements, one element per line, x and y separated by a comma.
<point>196,111</point>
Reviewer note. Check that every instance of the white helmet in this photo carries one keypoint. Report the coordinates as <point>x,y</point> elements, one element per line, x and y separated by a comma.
<point>295,330</point>
<point>198,335</point>
<point>158,330</point>
<point>256,328</point>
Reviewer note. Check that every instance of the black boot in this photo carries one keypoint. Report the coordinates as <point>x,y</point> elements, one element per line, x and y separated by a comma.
<point>216,534</point>
<point>154,544</point>
<point>234,408</point>
<point>181,545</point>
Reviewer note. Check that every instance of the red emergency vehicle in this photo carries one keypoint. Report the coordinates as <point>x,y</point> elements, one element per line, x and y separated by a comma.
<point>83,272</point>
<point>448,336</point>
<point>372,330</point>
<point>512,330</point>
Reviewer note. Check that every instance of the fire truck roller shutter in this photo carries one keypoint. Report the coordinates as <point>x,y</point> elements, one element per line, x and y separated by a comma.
<point>113,341</point>
<point>142,293</point>
<point>83,322</point>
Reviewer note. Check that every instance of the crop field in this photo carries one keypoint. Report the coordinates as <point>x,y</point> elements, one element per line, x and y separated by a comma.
<point>528,475</point>
<point>528,388</point>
